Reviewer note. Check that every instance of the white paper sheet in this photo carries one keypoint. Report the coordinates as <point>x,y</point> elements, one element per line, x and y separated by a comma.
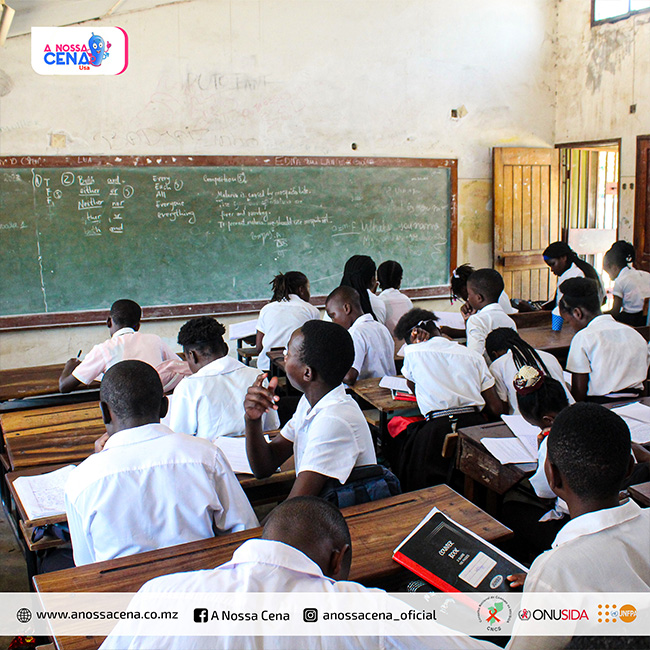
<point>518,425</point>
<point>234,450</point>
<point>450,319</point>
<point>43,495</point>
<point>635,410</point>
<point>242,330</point>
<point>639,431</point>
<point>509,450</point>
<point>395,383</point>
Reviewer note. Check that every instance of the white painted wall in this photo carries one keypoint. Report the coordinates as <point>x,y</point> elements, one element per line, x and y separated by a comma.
<point>299,77</point>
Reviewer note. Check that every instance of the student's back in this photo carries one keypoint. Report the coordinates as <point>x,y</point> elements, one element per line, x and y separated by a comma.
<point>389,275</point>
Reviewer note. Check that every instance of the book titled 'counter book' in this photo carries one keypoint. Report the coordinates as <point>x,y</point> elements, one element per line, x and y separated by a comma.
<point>452,558</point>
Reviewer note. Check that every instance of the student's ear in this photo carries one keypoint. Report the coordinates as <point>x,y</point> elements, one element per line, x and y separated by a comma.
<point>347,308</point>
<point>164,407</point>
<point>309,374</point>
<point>109,322</point>
<point>106,412</point>
<point>136,328</point>
<point>547,420</point>
<point>553,476</point>
<point>339,568</point>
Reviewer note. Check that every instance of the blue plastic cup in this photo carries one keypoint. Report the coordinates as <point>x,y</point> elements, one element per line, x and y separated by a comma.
<point>556,322</point>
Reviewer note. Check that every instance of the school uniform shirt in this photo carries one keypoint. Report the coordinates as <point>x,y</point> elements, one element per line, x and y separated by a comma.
<point>446,375</point>
<point>632,287</point>
<point>613,354</point>
<point>210,403</point>
<point>330,438</point>
<point>572,272</point>
<point>279,320</point>
<point>374,348</point>
<point>504,370</point>
<point>378,307</point>
<point>125,345</point>
<point>397,304</point>
<point>542,488</point>
<point>150,488</point>
<point>484,321</point>
<point>505,304</point>
<point>265,566</point>
<point>602,551</point>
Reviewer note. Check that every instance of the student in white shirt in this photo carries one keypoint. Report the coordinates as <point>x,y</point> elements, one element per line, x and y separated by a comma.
<point>389,276</point>
<point>451,383</point>
<point>305,547</point>
<point>210,402</point>
<point>148,487</point>
<point>374,348</point>
<point>631,286</point>
<point>360,273</point>
<point>605,356</point>
<point>328,433</point>
<point>509,352</point>
<point>485,314</point>
<point>604,548</point>
<point>288,310</point>
<point>126,343</point>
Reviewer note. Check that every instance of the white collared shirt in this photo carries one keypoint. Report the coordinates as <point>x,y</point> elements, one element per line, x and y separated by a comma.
<point>150,488</point>
<point>378,307</point>
<point>125,345</point>
<point>505,304</point>
<point>374,348</point>
<point>573,271</point>
<point>397,304</point>
<point>446,374</point>
<point>279,320</point>
<point>484,321</point>
<point>210,403</point>
<point>267,566</point>
<point>542,488</point>
<point>504,370</point>
<point>330,438</point>
<point>632,286</point>
<point>614,355</point>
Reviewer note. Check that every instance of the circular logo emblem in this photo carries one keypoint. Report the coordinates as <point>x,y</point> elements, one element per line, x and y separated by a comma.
<point>24,615</point>
<point>496,582</point>
<point>524,614</point>
<point>627,613</point>
<point>495,612</point>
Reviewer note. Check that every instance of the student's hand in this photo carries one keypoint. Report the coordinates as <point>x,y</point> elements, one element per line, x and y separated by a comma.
<point>260,399</point>
<point>419,335</point>
<point>516,580</point>
<point>70,365</point>
<point>466,310</point>
<point>100,442</point>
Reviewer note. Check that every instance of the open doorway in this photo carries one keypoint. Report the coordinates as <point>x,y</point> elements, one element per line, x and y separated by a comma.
<point>589,198</point>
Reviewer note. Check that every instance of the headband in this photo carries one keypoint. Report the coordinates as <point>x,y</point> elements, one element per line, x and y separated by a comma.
<point>528,380</point>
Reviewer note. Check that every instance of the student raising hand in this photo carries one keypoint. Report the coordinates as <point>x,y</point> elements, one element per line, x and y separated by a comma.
<point>260,399</point>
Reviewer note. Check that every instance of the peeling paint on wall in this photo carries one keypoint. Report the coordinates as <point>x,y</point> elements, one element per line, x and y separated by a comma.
<point>607,49</point>
<point>6,83</point>
<point>475,223</point>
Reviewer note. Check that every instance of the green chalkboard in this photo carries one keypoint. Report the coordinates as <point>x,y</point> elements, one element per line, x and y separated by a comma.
<point>78,233</point>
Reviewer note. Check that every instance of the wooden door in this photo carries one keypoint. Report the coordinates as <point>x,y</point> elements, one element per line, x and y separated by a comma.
<point>526,218</point>
<point>642,203</point>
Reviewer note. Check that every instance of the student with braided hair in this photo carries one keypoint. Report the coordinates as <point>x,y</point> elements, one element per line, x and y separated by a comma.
<point>389,275</point>
<point>631,286</point>
<point>288,310</point>
<point>458,283</point>
<point>509,353</point>
<point>360,273</point>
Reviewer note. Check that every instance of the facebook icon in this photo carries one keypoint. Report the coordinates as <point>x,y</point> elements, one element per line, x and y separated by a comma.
<point>200,615</point>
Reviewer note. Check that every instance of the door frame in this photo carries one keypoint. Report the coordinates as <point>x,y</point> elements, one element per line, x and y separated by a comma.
<point>641,202</point>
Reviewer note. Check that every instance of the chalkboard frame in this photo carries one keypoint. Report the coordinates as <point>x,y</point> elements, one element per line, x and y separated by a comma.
<point>93,317</point>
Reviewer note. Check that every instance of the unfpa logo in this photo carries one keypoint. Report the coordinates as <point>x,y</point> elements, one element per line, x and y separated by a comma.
<point>607,614</point>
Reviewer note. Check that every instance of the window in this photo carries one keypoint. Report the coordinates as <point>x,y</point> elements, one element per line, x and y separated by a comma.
<point>613,10</point>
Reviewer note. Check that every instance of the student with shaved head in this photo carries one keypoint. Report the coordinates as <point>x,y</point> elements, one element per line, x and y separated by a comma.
<point>148,487</point>
<point>305,547</point>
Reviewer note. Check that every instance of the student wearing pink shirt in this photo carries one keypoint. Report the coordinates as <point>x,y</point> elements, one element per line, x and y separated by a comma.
<point>126,343</point>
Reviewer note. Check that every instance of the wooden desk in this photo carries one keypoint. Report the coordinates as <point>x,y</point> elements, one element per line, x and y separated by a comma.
<point>538,318</point>
<point>31,382</point>
<point>376,529</point>
<point>381,399</point>
<point>246,355</point>
<point>480,466</point>
<point>57,434</point>
<point>641,494</point>
<point>544,338</point>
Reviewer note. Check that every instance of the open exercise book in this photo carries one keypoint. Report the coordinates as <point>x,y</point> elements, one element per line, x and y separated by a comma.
<point>520,449</point>
<point>452,558</point>
<point>637,417</point>
<point>42,495</point>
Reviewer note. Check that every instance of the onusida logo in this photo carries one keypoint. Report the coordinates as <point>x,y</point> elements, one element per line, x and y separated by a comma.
<point>553,615</point>
<point>79,50</point>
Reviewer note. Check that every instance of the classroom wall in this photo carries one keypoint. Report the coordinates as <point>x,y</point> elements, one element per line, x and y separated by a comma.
<point>301,77</point>
<point>601,71</point>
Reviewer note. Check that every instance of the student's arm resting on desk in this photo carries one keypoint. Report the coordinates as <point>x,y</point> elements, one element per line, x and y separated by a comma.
<point>259,341</point>
<point>360,352</point>
<point>617,305</point>
<point>492,402</point>
<point>308,483</point>
<point>264,457</point>
<point>579,385</point>
<point>67,381</point>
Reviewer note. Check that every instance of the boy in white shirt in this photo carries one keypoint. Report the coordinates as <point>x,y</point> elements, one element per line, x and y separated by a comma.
<point>328,434</point>
<point>148,487</point>
<point>210,402</point>
<point>485,314</point>
<point>451,383</point>
<point>126,343</point>
<point>389,276</point>
<point>605,356</point>
<point>604,547</point>
<point>374,348</point>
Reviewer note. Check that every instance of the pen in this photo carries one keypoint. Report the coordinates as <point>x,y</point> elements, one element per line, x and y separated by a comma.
<point>78,354</point>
